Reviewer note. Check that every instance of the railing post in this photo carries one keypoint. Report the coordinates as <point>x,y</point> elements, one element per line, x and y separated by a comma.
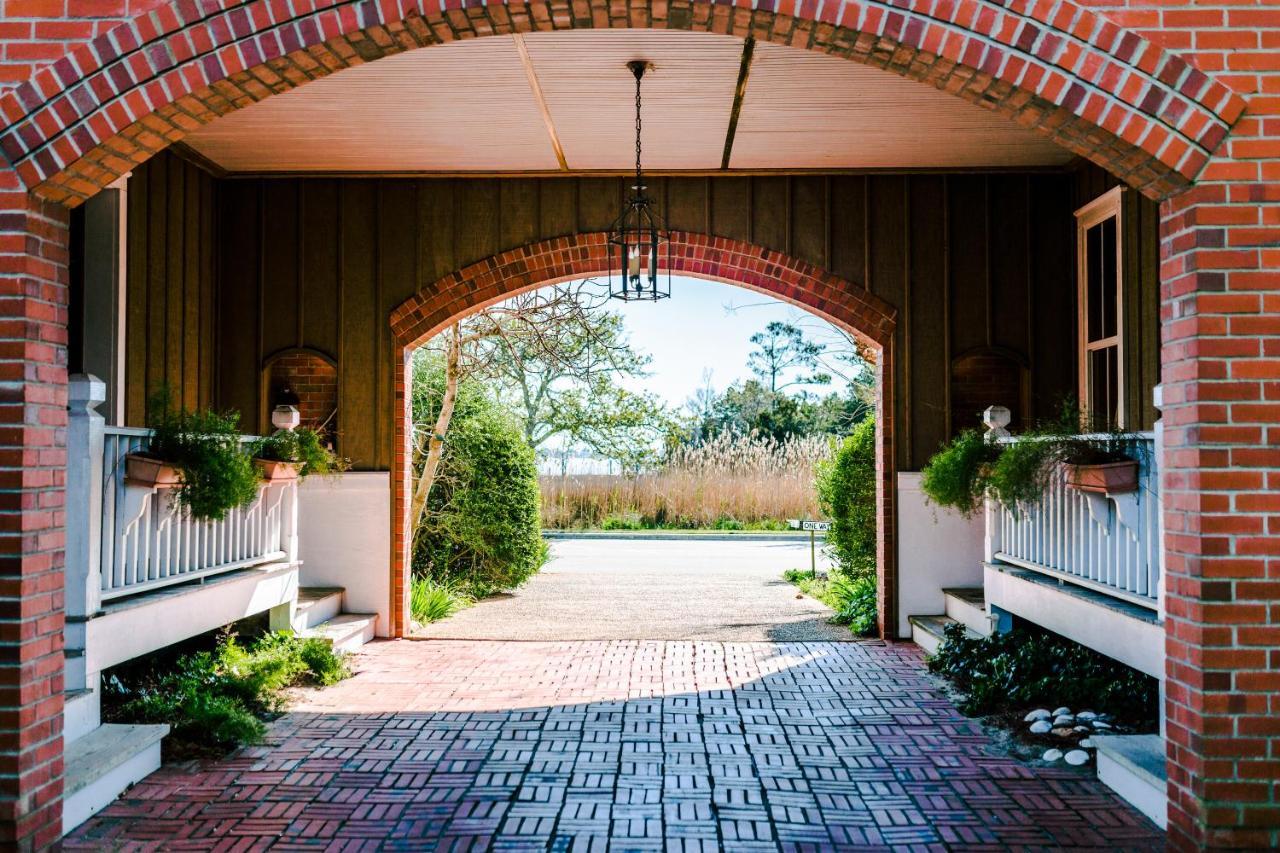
<point>996,419</point>
<point>289,522</point>
<point>1157,397</point>
<point>83,577</point>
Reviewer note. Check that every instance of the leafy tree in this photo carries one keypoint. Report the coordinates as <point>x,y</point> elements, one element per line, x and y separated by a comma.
<point>780,348</point>
<point>481,524</point>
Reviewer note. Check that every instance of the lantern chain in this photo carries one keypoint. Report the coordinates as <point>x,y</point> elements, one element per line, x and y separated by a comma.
<point>638,176</point>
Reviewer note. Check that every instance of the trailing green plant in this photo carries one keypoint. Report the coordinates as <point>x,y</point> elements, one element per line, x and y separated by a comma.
<point>1031,667</point>
<point>969,468</point>
<point>431,600</point>
<point>301,446</point>
<point>957,475</point>
<point>217,700</point>
<point>204,446</point>
<point>846,486</point>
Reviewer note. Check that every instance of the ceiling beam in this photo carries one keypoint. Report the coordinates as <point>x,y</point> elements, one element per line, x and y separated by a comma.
<point>744,71</point>
<point>541,100</point>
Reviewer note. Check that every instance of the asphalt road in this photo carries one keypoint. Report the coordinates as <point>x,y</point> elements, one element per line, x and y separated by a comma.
<point>621,589</point>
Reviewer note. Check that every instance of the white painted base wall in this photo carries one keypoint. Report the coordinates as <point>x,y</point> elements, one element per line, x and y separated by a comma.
<point>1135,642</point>
<point>937,548</point>
<point>130,629</point>
<point>345,539</point>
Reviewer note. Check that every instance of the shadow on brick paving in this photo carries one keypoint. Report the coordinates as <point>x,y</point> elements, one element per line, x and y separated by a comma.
<point>622,745</point>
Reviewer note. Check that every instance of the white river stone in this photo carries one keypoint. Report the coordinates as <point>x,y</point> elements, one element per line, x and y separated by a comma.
<point>1052,754</point>
<point>1037,714</point>
<point>1040,727</point>
<point>1076,757</point>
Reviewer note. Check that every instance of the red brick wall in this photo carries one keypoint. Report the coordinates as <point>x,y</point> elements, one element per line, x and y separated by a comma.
<point>33,421</point>
<point>314,380</point>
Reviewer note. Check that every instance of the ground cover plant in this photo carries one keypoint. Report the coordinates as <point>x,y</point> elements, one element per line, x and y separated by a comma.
<point>431,600</point>
<point>1029,667</point>
<point>217,698</point>
<point>852,598</point>
<point>732,481</point>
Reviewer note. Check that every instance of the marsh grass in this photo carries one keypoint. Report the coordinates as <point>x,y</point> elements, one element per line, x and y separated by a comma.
<point>732,482</point>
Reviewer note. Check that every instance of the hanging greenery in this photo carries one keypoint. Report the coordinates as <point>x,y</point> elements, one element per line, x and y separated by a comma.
<point>303,447</point>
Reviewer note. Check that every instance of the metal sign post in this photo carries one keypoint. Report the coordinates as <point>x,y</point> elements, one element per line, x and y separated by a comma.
<point>813,527</point>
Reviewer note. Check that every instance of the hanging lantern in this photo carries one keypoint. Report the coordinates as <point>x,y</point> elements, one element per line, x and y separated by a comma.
<point>638,238</point>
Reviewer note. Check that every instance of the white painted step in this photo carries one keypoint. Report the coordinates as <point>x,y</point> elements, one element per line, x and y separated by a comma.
<point>316,605</point>
<point>1134,767</point>
<point>967,605</point>
<point>927,631</point>
<point>346,632</point>
<point>103,764</point>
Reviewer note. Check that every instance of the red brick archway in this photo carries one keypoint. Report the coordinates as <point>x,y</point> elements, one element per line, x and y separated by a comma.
<point>843,303</point>
<point>1098,89</point>
<point>1101,91</point>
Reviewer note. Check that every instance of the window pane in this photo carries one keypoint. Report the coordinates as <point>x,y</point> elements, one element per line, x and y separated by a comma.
<point>1104,388</point>
<point>1093,278</point>
<point>1107,258</point>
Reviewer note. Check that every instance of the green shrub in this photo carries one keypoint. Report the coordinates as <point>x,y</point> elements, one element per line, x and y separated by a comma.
<point>303,447</point>
<point>956,476</point>
<point>217,475</point>
<point>847,494</point>
<point>1028,667</point>
<point>623,521</point>
<point>431,600</point>
<point>482,527</point>
<point>216,700</point>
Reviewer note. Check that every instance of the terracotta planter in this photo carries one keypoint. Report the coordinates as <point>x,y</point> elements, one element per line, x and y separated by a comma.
<point>277,472</point>
<point>1111,478</point>
<point>143,470</point>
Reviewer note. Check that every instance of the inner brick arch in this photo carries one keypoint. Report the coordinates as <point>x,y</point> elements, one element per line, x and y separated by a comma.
<point>1099,90</point>
<point>840,302</point>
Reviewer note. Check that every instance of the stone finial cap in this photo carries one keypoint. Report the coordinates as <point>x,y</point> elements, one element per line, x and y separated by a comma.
<point>85,388</point>
<point>996,419</point>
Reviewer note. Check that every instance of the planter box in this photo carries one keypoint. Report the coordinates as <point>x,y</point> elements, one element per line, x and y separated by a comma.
<point>1112,478</point>
<point>277,472</point>
<point>143,470</point>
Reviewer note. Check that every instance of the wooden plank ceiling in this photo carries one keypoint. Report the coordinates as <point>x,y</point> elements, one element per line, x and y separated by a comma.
<point>548,102</point>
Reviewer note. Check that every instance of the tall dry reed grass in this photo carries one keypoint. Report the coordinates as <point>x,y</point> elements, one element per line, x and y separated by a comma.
<point>729,482</point>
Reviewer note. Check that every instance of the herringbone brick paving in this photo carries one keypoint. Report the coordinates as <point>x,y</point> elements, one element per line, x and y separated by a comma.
<point>621,745</point>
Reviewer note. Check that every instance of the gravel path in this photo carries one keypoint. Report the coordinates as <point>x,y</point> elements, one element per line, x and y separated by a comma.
<point>653,590</point>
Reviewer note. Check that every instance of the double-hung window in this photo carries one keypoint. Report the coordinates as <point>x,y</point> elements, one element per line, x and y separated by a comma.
<point>1100,282</point>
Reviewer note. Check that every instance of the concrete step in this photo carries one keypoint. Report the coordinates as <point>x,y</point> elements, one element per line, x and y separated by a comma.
<point>928,632</point>
<point>1134,767</point>
<point>104,763</point>
<point>346,632</point>
<point>316,605</point>
<point>81,712</point>
<point>968,606</point>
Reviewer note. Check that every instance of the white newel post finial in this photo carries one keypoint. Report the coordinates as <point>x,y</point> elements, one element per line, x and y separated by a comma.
<point>996,419</point>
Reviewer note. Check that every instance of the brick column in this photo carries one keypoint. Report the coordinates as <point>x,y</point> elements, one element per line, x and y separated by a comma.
<point>33,419</point>
<point>1220,297</point>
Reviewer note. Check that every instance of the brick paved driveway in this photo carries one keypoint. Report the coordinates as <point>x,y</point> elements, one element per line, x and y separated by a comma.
<point>621,745</point>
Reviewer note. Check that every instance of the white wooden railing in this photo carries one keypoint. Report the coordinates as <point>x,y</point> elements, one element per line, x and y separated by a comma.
<point>126,538</point>
<point>1109,543</point>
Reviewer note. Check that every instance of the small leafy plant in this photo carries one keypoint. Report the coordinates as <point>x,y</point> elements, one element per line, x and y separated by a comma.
<point>431,600</point>
<point>217,700</point>
<point>301,446</point>
<point>958,474</point>
<point>852,597</point>
<point>1027,667</point>
<point>204,446</point>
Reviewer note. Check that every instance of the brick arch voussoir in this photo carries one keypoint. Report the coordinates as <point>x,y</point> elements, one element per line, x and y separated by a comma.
<point>844,303</point>
<point>1099,90</point>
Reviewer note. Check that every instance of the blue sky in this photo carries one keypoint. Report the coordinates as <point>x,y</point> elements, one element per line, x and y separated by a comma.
<point>704,326</point>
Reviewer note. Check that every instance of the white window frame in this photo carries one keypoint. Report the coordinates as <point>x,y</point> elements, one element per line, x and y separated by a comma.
<point>1106,206</point>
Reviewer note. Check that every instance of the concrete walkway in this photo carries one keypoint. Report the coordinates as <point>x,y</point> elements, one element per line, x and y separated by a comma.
<point>628,589</point>
<point>621,745</point>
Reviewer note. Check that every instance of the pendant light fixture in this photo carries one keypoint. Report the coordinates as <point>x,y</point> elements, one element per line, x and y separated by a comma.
<point>638,238</point>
